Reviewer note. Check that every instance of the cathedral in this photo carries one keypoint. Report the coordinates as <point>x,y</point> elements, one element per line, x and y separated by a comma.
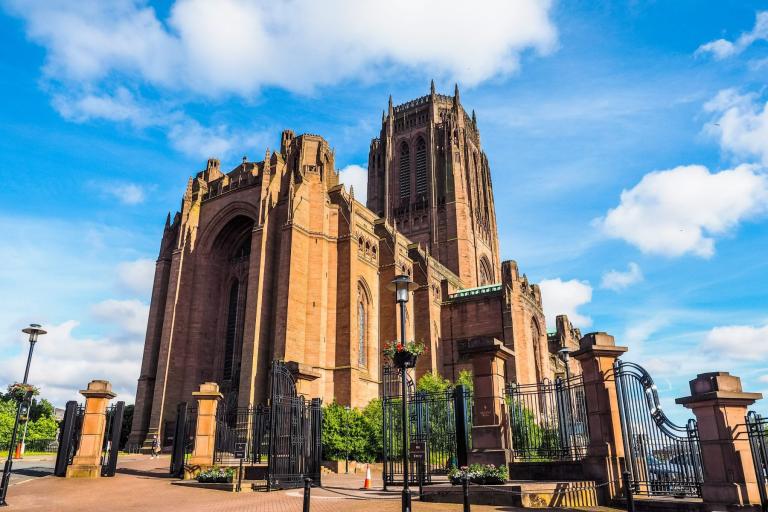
<point>276,259</point>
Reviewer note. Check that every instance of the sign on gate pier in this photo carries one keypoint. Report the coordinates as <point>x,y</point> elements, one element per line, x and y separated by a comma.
<point>239,450</point>
<point>418,450</point>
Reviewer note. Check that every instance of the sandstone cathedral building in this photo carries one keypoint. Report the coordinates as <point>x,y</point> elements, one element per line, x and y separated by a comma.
<point>277,260</point>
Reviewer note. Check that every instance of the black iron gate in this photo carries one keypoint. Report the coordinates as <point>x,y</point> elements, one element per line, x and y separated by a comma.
<point>285,435</point>
<point>183,438</point>
<point>548,420</point>
<point>111,446</point>
<point>664,459</point>
<point>441,421</point>
<point>69,437</point>
<point>295,431</point>
<point>757,430</point>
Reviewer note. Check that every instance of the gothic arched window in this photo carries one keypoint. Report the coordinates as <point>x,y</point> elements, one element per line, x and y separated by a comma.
<point>486,272</point>
<point>421,167</point>
<point>405,171</point>
<point>231,335</point>
<point>363,304</point>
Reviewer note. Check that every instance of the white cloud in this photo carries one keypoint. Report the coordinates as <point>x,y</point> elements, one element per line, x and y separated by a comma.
<point>740,123</point>
<point>129,315</point>
<point>564,298</point>
<point>681,210</point>
<point>239,46</point>
<point>127,193</point>
<point>64,363</point>
<point>121,106</point>
<point>185,134</point>
<point>738,341</point>
<point>355,176</point>
<point>722,48</point>
<point>137,276</point>
<point>617,280</point>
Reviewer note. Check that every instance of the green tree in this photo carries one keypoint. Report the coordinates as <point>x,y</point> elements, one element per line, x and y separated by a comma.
<point>465,379</point>
<point>43,428</point>
<point>432,383</point>
<point>7,417</point>
<point>41,408</point>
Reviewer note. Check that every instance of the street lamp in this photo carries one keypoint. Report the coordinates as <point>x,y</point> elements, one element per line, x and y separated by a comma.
<point>346,425</point>
<point>34,331</point>
<point>402,285</point>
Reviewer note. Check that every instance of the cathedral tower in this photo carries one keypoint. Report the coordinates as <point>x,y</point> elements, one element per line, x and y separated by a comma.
<point>428,174</point>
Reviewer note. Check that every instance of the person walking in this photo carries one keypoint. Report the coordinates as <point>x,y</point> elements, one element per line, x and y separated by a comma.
<point>155,447</point>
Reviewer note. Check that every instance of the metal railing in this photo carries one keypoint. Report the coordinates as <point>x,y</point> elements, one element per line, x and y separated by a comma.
<point>248,425</point>
<point>757,431</point>
<point>548,420</point>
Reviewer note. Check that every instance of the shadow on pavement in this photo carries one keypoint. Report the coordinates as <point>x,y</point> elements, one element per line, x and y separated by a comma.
<point>143,473</point>
<point>34,471</point>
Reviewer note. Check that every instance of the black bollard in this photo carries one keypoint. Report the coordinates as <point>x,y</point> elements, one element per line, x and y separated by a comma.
<point>307,486</point>
<point>240,477</point>
<point>465,484</point>
<point>625,477</point>
<point>421,480</point>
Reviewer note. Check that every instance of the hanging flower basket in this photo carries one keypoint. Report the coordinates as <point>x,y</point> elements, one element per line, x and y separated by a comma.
<point>404,355</point>
<point>405,359</point>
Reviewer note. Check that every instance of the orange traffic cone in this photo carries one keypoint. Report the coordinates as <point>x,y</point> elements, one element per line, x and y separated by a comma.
<point>367,483</point>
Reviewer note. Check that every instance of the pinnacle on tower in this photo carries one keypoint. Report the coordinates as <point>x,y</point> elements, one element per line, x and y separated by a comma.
<point>432,88</point>
<point>456,93</point>
<point>391,108</point>
<point>474,118</point>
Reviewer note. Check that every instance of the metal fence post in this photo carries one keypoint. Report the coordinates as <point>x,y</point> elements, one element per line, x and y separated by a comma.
<point>462,432</point>
<point>465,485</point>
<point>625,477</point>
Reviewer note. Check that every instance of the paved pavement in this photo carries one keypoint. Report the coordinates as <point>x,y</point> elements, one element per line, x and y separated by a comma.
<point>30,468</point>
<point>142,485</point>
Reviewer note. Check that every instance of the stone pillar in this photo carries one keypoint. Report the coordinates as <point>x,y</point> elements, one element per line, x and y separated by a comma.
<point>597,353</point>
<point>208,398</point>
<point>720,407</point>
<point>490,421</point>
<point>87,461</point>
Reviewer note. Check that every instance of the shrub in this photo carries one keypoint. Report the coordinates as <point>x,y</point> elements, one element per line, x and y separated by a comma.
<point>216,475</point>
<point>352,432</point>
<point>432,383</point>
<point>526,432</point>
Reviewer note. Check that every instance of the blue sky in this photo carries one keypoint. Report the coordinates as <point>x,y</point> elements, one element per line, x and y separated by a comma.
<point>628,144</point>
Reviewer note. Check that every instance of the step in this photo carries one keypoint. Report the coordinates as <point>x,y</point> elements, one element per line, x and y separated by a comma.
<point>519,493</point>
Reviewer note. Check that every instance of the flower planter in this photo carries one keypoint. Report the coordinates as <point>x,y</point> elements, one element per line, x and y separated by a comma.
<point>405,359</point>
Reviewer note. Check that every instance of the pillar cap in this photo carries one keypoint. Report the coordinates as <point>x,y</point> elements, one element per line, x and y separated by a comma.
<point>301,371</point>
<point>718,386</point>
<point>598,343</point>
<point>98,389</point>
<point>484,344</point>
<point>208,390</point>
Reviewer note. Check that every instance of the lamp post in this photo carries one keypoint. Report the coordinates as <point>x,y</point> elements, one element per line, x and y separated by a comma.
<point>34,331</point>
<point>403,285</point>
<point>346,425</point>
